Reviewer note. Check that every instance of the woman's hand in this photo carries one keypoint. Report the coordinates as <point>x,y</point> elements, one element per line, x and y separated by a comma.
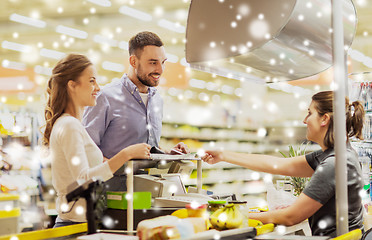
<point>138,151</point>
<point>213,157</point>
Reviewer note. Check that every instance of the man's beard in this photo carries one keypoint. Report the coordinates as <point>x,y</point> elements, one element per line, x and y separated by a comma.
<point>145,78</point>
<point>145,81</point>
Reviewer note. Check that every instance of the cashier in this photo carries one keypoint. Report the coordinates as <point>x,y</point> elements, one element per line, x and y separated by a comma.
<point>317,201</point>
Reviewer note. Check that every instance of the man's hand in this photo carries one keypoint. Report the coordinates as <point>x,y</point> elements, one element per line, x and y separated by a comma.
<point>180,148</point>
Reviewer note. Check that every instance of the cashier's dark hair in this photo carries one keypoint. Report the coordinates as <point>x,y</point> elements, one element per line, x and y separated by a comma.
<point>141,40</point>
<point>68,68</point>
<point>323,102</point>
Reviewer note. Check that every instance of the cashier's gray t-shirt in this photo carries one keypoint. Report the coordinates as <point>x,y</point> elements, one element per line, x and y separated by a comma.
<point>322,188</point>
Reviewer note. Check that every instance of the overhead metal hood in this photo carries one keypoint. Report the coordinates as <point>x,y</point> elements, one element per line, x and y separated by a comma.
<point>263,40</point>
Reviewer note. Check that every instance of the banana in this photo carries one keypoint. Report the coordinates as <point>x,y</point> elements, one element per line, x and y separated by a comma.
<point>221,221</point>
<point>235,218</point>
<point>226,218</point>
<point>208,224</point>
<point>218,219</point>
<point>223,218</point>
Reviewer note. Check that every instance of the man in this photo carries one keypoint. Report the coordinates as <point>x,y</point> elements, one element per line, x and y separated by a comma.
<point>130,111</point>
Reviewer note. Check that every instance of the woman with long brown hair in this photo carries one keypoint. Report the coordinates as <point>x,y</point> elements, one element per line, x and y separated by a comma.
<point>74,155</point>
<point>317,201</point>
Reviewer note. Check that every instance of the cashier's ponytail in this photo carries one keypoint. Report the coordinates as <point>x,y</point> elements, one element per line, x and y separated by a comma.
<point>68,68</point>
<point>323,102</point>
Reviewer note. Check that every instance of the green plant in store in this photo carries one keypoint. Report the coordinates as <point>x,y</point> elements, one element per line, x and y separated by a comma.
<point>298,183</point>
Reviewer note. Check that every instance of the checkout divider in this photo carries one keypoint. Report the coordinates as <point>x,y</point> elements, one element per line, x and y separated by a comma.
<point>49,233</point>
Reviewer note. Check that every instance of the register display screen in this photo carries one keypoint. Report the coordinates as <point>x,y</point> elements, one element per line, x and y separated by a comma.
<point>176,186</point>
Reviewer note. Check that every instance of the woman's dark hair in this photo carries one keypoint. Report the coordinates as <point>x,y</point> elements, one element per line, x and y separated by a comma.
<point>323,102</point>
<point>68,68</point>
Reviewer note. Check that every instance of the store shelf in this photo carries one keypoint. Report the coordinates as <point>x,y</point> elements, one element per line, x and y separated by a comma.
<point>252,129</point>
<point>217,176</point>
<point>210,138</point>
<point>210,133</point>
<point>361,142</point>
<point>240,189</point>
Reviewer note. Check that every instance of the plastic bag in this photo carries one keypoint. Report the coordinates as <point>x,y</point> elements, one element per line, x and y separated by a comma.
<point>277,199</point>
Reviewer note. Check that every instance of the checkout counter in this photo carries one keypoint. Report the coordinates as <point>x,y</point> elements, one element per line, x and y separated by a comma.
<point>164,194</point>
<point>166,186</point>
<point>78,232</point>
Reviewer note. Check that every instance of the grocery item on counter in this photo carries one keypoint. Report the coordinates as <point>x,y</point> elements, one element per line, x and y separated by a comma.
<point>180,213</point>
<point>214,205</point>
<point>238,204</point>
<point>169,227</point>
<point>196,210</point>
<point>228,217</point>
<point>254,223</point>
<point>262,229</point>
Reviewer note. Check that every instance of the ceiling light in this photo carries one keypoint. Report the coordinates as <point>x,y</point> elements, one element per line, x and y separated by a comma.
<point>16,83</point>
<point>227,89</point>
<point>55,44</point>
<point>43,70</point>
<point>35,14</point>
<point>16,46</point>
<point>159,11</point>
<point>197,83</point>
<point>13,65</point>
<point>104,40</point>
<point>51,53</point>
<point>102,3</point>
<point>111,66</point>
<point>123,45</point>
<point>176,27</point>
<point>27,20</point>
<point>172,58</point>
<point>174,40</point>
<point>71,32</point>
<point>135,13</point>
<point>203,97</point>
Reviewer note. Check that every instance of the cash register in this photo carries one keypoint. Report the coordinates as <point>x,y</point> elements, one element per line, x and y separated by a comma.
<point>168,190</point>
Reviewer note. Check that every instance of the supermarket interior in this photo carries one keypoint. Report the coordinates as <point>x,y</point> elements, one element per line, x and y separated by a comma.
<point>239,76</point>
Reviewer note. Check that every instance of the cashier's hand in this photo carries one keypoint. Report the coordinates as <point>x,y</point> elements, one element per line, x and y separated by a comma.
<point>213,157</point>
<point>180,148</point>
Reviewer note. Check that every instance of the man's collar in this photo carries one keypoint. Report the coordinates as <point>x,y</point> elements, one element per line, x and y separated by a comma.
<point>132,87</point>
